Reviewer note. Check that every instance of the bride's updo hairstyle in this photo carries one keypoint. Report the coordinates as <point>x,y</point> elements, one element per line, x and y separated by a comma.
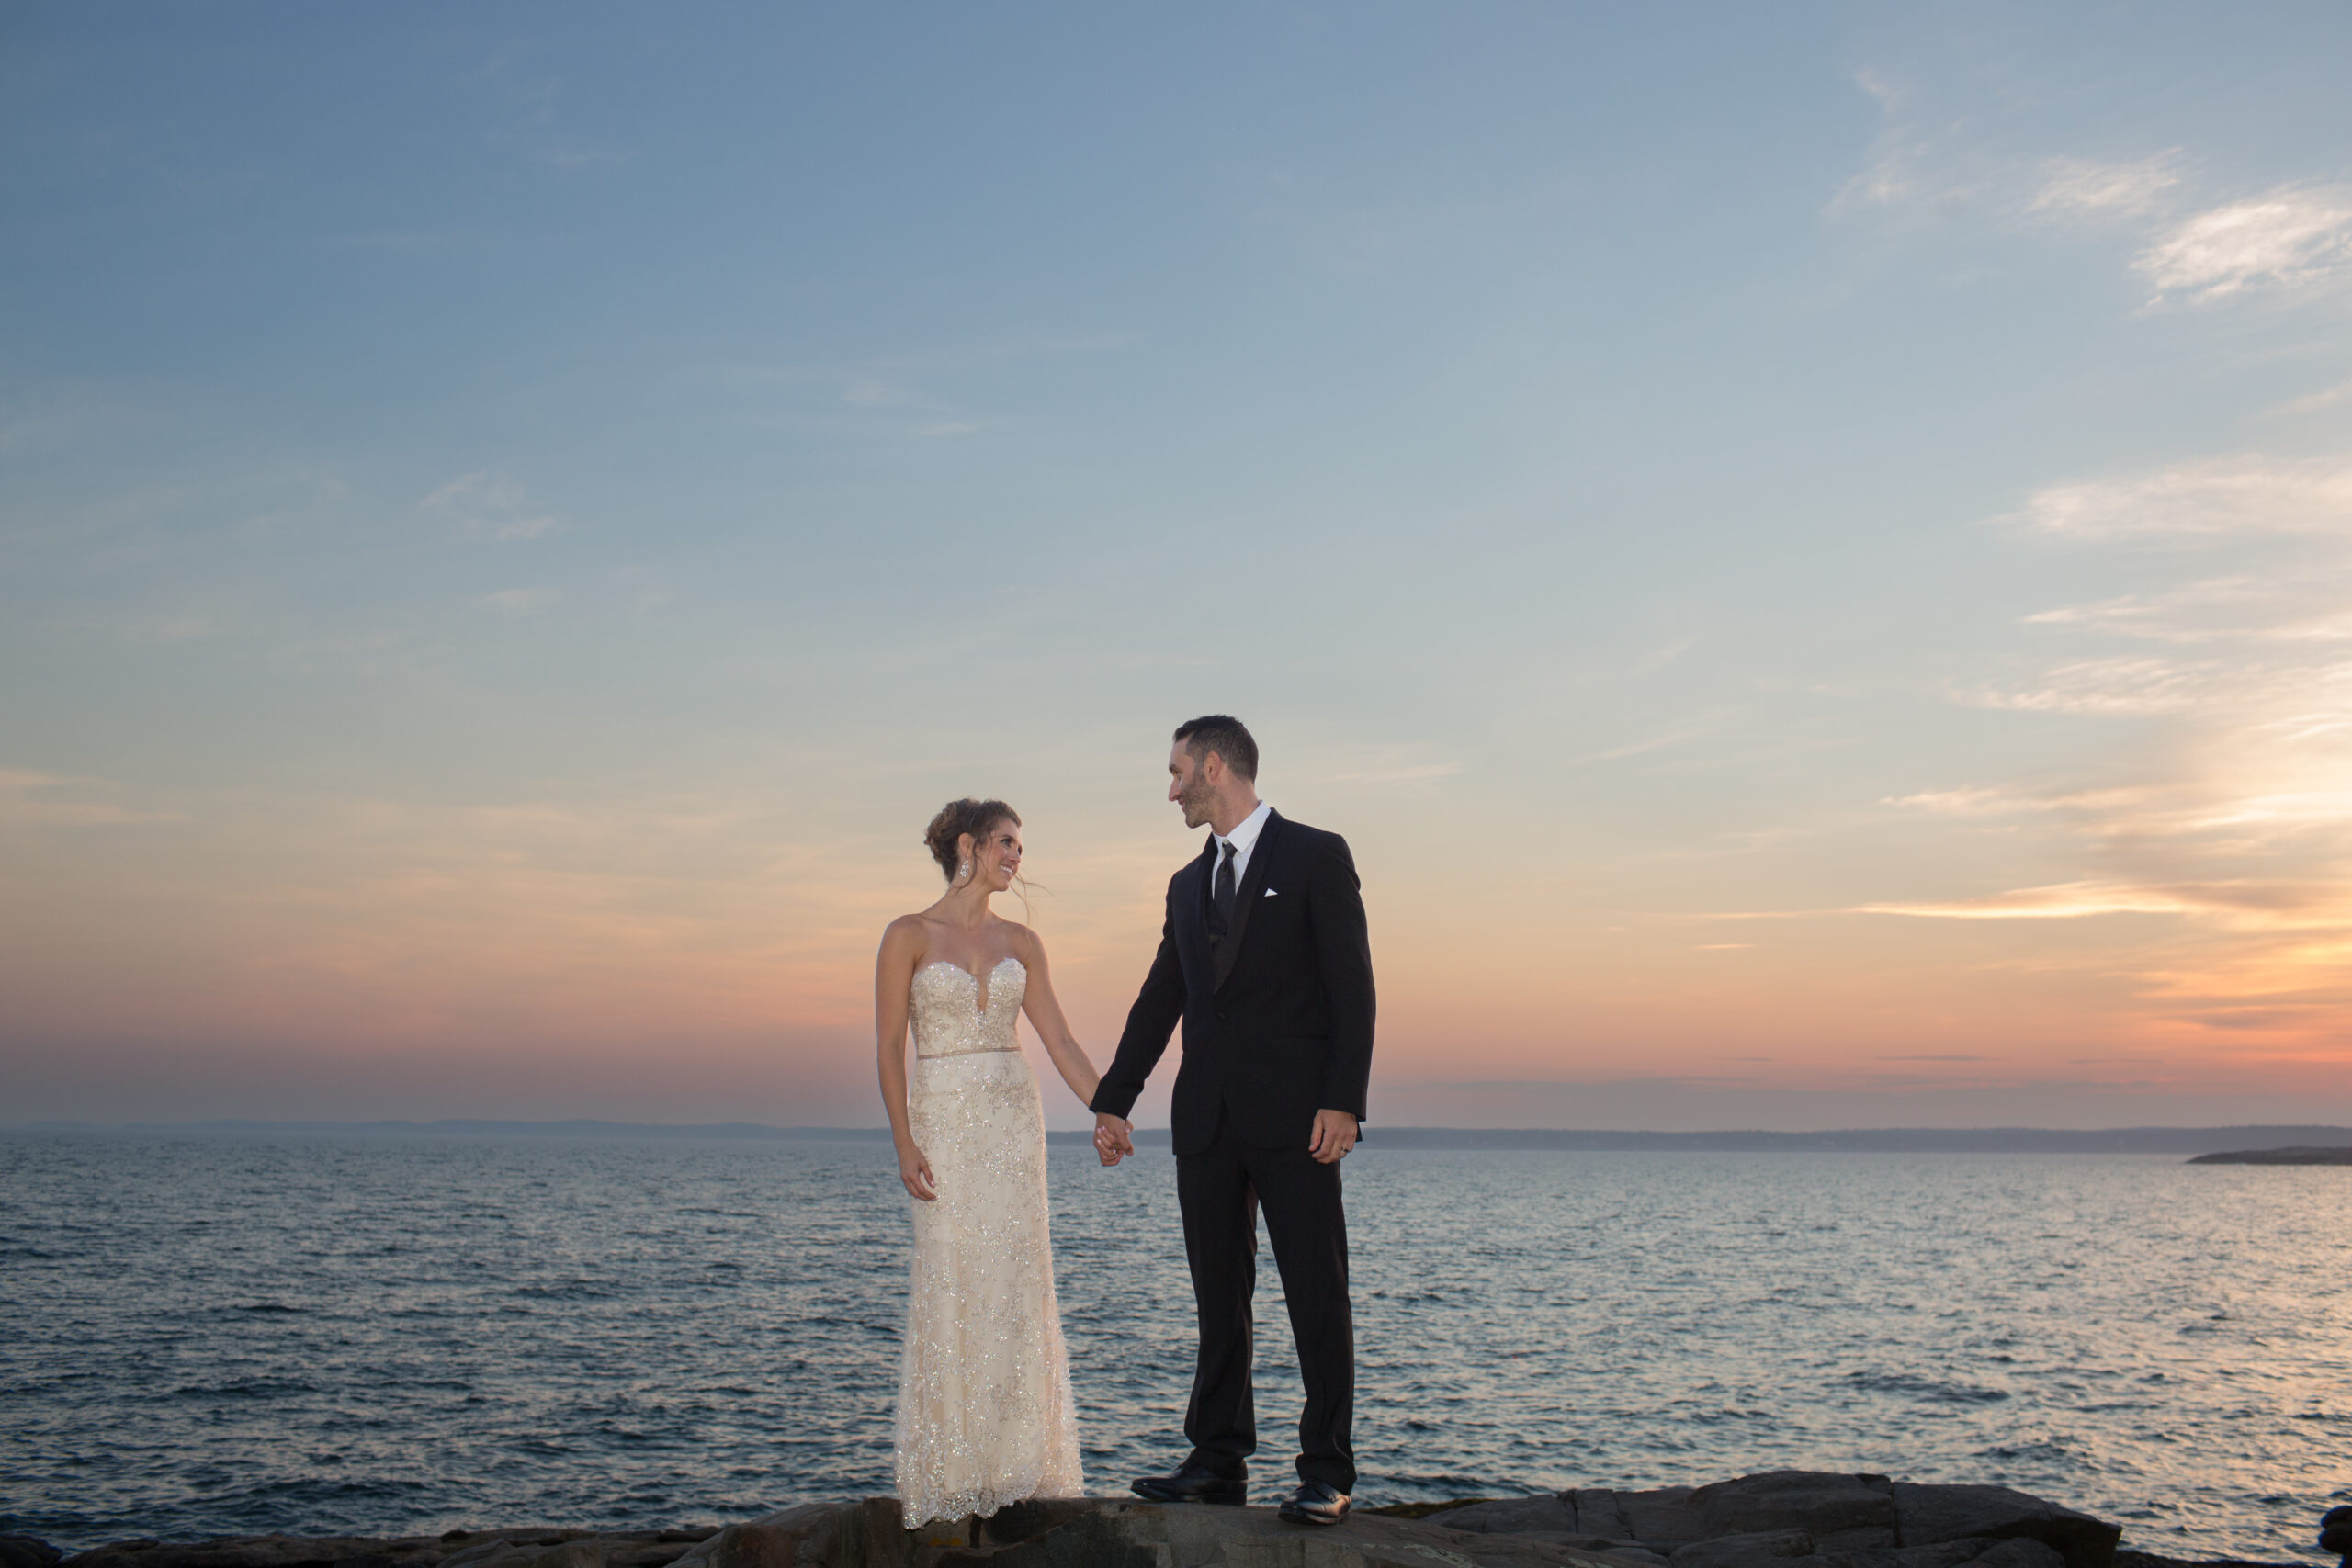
<point>958,817</point>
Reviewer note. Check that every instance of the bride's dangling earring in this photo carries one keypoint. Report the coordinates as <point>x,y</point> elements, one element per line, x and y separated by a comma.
<point>962,873</point>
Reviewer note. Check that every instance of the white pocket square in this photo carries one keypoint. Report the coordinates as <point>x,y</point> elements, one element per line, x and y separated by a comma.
<point>1269,892</point>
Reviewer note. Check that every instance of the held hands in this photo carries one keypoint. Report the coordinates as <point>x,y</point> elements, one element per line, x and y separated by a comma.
<point>914,1171</point>
<point>1114,1137</point>
<point>1335,1134</point>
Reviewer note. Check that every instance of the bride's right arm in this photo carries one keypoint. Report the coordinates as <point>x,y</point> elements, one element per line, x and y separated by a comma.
<point>1044,1010</point>
<point>894,973</point>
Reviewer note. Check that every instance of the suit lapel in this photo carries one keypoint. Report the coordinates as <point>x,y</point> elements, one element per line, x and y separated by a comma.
<point>1196,902</point>
<point>1246,897</point>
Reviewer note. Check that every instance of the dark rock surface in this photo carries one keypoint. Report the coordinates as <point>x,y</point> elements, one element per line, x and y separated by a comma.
<point>2336,1531</point>
<point>1780,1519</point>
<point>1840,1512</point>
<point>458,1548</point>
<point>1104,1533</point>
<point>2127,1558</point>
<point>1739,1551</point>
<point>1542,1518</point>
<point>1925,1514</point>
<point>1798,1519</point>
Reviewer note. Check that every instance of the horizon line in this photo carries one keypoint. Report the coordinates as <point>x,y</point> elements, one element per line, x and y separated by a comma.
<point>2153,1138</point>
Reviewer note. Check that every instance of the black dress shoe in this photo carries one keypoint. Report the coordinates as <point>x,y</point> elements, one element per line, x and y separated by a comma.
<point>1314,1504</point>
<point>1190,1483</point>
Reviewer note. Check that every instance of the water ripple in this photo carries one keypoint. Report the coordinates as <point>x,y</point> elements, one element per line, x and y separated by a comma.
<point>211,1335</point>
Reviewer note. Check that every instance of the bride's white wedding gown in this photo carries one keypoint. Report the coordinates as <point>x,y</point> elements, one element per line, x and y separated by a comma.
<point>983,1401</point>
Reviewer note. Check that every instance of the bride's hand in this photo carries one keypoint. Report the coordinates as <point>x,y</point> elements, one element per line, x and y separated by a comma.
<point>1114,1137</point>
<point>915,1172</point>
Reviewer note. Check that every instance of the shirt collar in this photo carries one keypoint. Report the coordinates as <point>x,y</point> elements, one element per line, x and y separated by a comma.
<point>1244,836</point>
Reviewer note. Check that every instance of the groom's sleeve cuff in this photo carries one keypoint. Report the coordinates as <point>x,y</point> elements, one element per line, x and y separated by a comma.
<point>1348,1097</point>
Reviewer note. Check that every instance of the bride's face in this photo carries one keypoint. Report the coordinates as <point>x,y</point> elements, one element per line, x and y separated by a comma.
<point>995,860</point>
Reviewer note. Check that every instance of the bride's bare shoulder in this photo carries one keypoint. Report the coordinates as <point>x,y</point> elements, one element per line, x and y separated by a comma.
<point>1024,943</point>
<point>907,936</point>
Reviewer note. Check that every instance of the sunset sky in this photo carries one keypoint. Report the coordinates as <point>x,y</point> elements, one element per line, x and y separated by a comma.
<point>1808,548</point>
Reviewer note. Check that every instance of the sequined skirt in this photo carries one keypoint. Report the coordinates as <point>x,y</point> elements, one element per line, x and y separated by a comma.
<point>984,1415</point>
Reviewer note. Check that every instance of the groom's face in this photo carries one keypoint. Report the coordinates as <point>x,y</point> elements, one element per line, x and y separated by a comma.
<point>1189,787</point>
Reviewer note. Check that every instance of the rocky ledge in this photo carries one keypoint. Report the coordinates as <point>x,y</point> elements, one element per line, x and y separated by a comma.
<point>458,1548</point>
<point>1781,1519</point>
<point>2297,1156</point>
<point>1795,1518</point>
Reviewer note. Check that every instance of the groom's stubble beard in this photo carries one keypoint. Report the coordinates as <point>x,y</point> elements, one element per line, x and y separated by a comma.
<point>1197,801</point>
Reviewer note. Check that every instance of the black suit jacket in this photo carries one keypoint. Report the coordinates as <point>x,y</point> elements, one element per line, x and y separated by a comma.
<point>1277,1013</point>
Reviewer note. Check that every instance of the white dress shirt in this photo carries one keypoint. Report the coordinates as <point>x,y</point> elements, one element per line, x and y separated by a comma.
<point>1244,838</point>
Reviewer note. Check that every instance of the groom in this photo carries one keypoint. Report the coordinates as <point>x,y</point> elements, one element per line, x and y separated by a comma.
<point>1265,959</point>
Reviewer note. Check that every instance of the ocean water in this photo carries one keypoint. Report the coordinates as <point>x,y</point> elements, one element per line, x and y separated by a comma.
<point>212,1335</point>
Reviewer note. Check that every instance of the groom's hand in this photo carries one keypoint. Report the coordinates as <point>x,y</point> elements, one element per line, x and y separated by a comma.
<point>1114,1137</point>
<point>1335,1134</point>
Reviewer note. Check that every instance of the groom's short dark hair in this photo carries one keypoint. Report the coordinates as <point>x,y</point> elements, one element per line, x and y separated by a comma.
<point>1226,736</point>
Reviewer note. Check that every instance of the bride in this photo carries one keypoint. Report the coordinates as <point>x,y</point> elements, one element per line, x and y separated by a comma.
<point>984,1402</point>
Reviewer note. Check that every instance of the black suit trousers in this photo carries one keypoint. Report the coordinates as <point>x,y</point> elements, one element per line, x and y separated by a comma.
<point>1221,1191</point>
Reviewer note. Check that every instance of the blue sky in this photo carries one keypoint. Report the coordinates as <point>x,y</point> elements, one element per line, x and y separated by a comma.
<point>1806,547</point>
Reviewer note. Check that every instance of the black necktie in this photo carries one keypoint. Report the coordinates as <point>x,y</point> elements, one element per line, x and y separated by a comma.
<point>1223,894</point>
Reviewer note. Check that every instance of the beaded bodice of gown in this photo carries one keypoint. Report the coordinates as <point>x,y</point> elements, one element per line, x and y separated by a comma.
<point>985,1417</point>
<point>955,1013</point>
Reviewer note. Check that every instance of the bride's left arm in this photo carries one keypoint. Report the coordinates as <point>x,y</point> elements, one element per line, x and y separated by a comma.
<point>1045,1016</point>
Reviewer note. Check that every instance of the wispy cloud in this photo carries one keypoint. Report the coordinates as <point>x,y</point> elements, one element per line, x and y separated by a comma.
<point>2266,905</point>
<point>2223,827</point>
<point>410,242</point>
<point>2288,238</point>
<point>524,108</point>
<point>1960,802</point>
<point>2078,186</point>
<point>2315,606</point>
<point>2118,685</point>
<point>1955,163</point>
<point>2240,495</point>
<point>488,503</point>
<point>2196,247</point>
<point>1660,742</point>
<point>29,799</point>
<point>1987,802</point>
<point>1408,770</point>
<point>1907,165</point>
<point>2312,402</point>
<point>866,393</point>
<point>519,602</point>
<point>912,391</point>
<point>70,414</point>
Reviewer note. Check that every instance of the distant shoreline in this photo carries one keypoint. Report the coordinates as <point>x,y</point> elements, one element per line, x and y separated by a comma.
<point>2333,1154</point>
<point>2237,1140</point>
